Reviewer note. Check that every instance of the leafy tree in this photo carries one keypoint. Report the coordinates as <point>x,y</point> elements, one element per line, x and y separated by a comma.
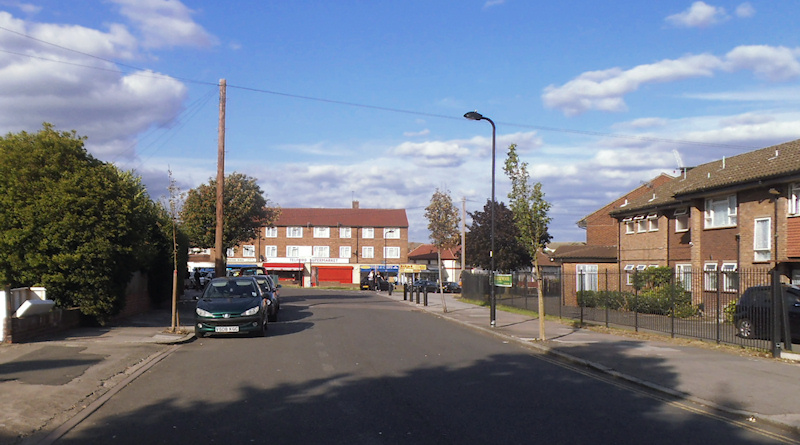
<point>71,223</point>
<point>443,219</point>
<point>530,216</point>
<point>510,255</point>
<point>246,211</point>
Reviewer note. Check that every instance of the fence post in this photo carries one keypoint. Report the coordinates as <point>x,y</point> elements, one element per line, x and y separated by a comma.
<point>719,297</point>
<point>606,298</point>
<point>672,286</point>
<point>580,293</point>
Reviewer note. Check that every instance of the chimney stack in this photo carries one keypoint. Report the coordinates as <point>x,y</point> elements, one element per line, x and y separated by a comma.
<point>355,204</point>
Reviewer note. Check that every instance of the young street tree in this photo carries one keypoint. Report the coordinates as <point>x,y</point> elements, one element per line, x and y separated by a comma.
<point>73,224</point>
<point>443,222</point>
<point>246,210</point>
<point>530,216</point>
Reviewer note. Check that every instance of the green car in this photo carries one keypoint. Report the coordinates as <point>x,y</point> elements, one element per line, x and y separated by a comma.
<point>231,305</point>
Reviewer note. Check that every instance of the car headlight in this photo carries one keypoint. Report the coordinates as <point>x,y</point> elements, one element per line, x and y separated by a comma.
<point>203,313</point>
<point>251,311</point>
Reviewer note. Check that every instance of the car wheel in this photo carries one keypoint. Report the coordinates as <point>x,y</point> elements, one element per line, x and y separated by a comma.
<point>198,333</point>
<point>272,316</point>
<point>745,327</point>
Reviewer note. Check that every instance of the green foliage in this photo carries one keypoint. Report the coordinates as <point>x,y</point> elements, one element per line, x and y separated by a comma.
<point>510,254</point>
<point>71,223</point>
<point>245,211</point>
<point>443,219</point>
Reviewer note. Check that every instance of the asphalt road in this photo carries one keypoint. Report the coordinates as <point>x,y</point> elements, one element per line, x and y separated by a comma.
<point>357,368</point>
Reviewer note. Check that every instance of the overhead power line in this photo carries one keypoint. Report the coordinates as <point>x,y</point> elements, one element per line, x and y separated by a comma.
<point>150,73</point>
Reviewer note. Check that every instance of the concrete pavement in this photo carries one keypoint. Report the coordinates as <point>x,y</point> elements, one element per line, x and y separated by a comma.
<point>734,380</point>
<point>48,385</point>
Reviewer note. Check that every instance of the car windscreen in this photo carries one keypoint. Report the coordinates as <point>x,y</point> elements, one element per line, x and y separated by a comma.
<point>231,288</point>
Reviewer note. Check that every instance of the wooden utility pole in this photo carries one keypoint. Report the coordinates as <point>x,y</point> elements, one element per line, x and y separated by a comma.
<point>463,234</point>
<point>219,263</point>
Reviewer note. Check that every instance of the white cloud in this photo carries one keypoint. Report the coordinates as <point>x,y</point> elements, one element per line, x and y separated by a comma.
<point>410,134</point>
<point>767,62</point>
<point>434,153</point>
<point>603,90</point>
<point>165,23</point>
<point>699,15</point>
<point>745,10</point>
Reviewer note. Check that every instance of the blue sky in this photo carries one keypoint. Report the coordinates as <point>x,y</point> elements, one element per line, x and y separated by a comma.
<point>334,101</point>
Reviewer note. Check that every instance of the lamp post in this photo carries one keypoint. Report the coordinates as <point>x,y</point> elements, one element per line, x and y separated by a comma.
<point>475,116</point>
<point>385,270</point>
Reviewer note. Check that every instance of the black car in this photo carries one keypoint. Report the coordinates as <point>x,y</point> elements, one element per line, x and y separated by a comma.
<point>231,305</point>
<point>425,286</point>
<point>753,315</point>
<point>367,284</point>
<point>451,287</point>
<point>270,289</point>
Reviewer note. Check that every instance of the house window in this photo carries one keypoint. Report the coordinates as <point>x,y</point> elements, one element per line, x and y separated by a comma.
<point>730,278</point>
<point>683,276</point>
<point>368,252</point>
<point>230,251</point>
<point>345,251</point>
<point>720,212</point>
<point>586,277</point>
<point>368,233</point>
<point>629,274</point>
<point>628,225</point>
<point>710,276</point>
<point>271,251</point>
<point>682,220</point>
<point>794,199</point>
<point>652,222</point>
<point>249,251</point>
<point>322,232</point>
<point>293,251</point>
<point>321,252</point>
<point>270,232</point>
<point>391,233</point>
<point>345,232</point>
<point>641,224</point>
<point>294,232</point>
<point>391,252</point>
<point>762,239</point>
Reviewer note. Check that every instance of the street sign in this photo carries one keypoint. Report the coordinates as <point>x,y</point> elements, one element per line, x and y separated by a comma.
<point>502,280</point>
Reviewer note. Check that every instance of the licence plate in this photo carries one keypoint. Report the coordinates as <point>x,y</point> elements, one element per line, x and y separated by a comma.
<point>226,329</point>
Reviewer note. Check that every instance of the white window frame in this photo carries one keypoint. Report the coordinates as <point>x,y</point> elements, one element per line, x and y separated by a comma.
<point>322,232</point>
<point>321,252</point>
<point>294,232</point>
<point>249,251</point>
<point>345,252</point>
<point>794,199</point>
<point>367,252</point>
<point>270,251</point>
<point>710,276</point>
<point>720,212</point>
<point>681,220</point>
<point>762,239</point>
<point>587,273</point>
<point>292,251</point>
<point>367,232</point>
<point>230,252</point>
<point>629,274</point>
<point>683,275</point>
<point>641,224</point>
<point>652,222</point>
<point>270,232</point>
<point>730,277</point>
<point>345,232</point>
<point>628,226</point>
<point>391,233</point>
<point>391,252</point>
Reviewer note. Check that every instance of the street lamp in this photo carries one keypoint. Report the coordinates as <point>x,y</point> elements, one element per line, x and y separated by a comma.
<point>475,116</point>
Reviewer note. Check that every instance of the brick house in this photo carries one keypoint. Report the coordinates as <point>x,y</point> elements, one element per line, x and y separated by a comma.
<point>734,214</point>
<point>312,246</point>
<point>425,254</point>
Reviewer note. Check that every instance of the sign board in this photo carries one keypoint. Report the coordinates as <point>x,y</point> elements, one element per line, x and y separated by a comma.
<point>502,280</point>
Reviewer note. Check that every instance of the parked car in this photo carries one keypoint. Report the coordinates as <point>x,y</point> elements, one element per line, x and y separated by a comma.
<point>270,289</point>
<point>753,314</point>
<point>425,286</point>
<point>367,284</point>
<point>451,287</point>
<point>231,305</point>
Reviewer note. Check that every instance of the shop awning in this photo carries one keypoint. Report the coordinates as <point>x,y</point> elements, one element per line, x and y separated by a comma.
<point>283,266</point>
